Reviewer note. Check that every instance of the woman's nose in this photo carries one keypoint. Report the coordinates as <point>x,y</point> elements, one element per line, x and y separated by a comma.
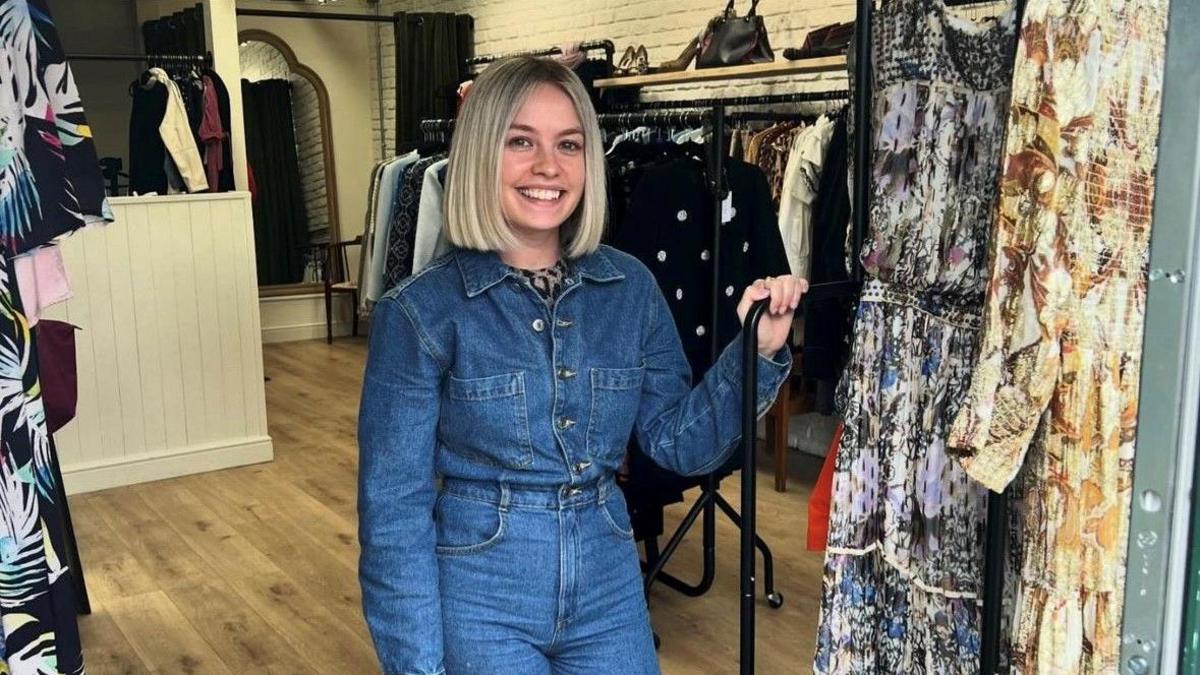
<point>545,163</point>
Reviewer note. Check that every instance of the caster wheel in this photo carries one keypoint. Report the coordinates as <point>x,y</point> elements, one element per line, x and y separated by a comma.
<point>775,600</point>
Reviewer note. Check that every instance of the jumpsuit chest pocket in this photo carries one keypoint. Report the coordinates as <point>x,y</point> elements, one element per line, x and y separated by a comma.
<point>486,419</point>
<point>616,396</point>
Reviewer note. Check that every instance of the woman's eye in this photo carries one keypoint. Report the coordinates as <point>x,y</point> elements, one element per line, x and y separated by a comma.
<point>519,142</point>
<point>571,146</point>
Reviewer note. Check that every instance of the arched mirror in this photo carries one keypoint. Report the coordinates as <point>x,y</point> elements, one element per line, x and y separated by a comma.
<point>290,156</point>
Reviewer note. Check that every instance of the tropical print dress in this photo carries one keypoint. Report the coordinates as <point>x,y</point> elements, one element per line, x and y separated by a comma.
<point>50,184</point>
<point>1053,400</point>
<point>904,560</point>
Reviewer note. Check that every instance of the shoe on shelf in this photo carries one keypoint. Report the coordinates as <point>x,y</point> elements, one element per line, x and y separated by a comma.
<point>684,59</point>
<point>626,65</point>
<point>641,60</point>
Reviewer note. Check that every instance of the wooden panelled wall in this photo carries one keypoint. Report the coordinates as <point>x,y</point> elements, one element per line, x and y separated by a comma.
<point>169,351</point>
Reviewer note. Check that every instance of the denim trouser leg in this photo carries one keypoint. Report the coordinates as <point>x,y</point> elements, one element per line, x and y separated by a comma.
<point>540,581</point>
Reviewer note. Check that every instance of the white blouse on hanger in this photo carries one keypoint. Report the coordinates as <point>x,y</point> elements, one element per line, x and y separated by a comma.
<point>800,179</point>
<point>177,136</point>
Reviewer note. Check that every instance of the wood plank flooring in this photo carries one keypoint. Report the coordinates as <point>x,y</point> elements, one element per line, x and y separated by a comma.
<point>253,570</point>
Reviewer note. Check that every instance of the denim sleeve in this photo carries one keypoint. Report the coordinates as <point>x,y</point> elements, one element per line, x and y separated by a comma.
<point>693,430</point>
<point>397,422</point>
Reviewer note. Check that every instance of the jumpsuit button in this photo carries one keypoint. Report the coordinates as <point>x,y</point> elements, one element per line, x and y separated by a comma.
<point>564,323</point>
<point>565,423</point>
<point>704,255</point>
<point>582,466</point>
<point>539,325</point>
<point>565,373</point>
<point>574,492</point>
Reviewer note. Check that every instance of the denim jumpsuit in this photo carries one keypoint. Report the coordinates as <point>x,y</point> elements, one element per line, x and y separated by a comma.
<point>523,562</point>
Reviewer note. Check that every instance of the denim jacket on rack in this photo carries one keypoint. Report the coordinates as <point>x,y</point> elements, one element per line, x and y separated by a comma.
<point>471,375</point>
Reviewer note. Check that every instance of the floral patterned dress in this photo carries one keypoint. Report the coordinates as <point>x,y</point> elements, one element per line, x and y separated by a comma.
<point>904,561</point>
<point>50,184</point>
<point>1055,393</point>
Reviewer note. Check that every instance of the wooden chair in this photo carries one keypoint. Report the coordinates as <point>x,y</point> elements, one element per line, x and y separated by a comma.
<point>794,398</point>
<point>335,264</point>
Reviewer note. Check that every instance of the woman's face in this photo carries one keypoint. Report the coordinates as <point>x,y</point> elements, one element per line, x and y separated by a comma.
<point>542,168</point>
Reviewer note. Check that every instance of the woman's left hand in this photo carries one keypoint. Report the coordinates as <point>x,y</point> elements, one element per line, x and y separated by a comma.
<point>785,293</point>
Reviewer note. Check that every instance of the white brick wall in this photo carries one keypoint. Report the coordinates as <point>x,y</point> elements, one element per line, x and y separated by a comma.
<point>310,147</point>
<point>663,26</point>
<point>261,61</point>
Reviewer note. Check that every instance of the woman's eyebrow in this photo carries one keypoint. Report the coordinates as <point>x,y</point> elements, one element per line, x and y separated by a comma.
<point>528,129</point>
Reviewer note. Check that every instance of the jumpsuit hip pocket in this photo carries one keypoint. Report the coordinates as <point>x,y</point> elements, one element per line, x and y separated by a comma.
<point>466,526</point>
<point>617,515</point>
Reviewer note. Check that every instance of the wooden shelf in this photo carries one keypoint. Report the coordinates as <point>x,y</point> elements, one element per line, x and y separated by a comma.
<point>756,70</point>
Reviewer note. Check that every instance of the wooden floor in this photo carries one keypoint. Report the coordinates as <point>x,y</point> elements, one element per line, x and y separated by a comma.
<point>253,570</point>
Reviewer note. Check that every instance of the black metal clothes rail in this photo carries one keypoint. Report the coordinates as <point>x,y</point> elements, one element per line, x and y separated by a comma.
<point>736,101</point>
<point>205,59</point>
<point>326,16</point>
<point>591,45</point>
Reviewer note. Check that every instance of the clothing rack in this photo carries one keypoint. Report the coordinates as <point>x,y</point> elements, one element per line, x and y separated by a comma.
<point>714,113</point>
<point>591,45</point>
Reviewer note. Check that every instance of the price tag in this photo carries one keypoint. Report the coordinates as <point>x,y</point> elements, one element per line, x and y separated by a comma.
<point>727,210</point>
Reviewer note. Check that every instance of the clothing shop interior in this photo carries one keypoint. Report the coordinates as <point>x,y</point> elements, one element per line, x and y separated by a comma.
<point>956,476</point>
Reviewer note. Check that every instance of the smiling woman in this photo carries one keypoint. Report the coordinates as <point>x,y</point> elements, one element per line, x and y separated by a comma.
<point>498,367</point>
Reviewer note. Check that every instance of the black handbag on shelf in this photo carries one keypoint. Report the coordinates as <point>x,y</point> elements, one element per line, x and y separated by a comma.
<point>732,40</point>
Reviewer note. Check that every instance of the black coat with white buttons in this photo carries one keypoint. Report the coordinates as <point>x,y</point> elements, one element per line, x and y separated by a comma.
<point>668,225</point>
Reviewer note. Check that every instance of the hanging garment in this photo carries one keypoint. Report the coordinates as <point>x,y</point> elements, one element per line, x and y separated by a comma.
<point>225,178</point>
<point>213,136</point>
<point>147,154</point>
<point>281,233</point>
<point>822,492</point>
<point>429,241</point>
<point>430,50</point>
<point>669,228</point>
<point>51,178</point>
<point>402,229</point>
<point>40,633</point>
<point>41,280</point>
<point>1055,389</point>
<point>828,323</point>
<point>52,186</point>
<point>57,368</point>
<point>904,561</point>
<point>773,155</point>
<point>801,176</point>
<point>176,132</point>
<point>391,175</point>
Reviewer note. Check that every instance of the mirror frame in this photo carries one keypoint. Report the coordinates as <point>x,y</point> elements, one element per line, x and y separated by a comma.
<point>331,196</point>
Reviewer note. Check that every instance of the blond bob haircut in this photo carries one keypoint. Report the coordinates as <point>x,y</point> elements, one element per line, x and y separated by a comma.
<point>474,219</point>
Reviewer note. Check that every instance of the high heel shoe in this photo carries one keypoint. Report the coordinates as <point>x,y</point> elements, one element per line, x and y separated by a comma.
<point>626,65</point>
<point>641,60</point>
<point>684,60</point>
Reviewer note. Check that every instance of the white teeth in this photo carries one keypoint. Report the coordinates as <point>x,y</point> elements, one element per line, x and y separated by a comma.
<point>542,195</point>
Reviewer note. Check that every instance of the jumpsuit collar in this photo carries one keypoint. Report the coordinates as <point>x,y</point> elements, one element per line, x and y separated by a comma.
<point>483,269</point>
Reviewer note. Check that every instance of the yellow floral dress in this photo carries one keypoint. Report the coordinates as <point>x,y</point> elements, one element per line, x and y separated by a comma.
<point>1053,398</point>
